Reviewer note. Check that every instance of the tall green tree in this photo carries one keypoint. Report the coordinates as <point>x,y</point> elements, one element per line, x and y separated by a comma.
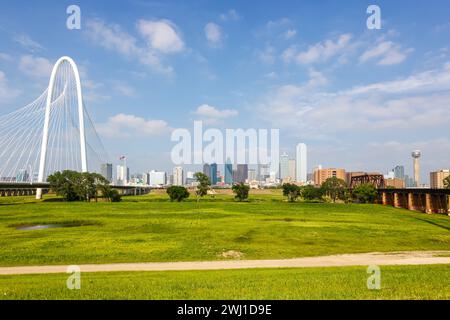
<point>241,191</point>
<point>335,188</point>
<point>204,184</point>
<point>291,191</point>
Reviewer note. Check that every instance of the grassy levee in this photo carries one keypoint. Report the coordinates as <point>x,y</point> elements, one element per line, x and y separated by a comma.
<point>397,282</point>
<point>150,228</point>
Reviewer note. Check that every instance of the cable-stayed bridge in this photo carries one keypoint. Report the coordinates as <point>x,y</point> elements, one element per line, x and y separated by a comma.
<point>52,133</point>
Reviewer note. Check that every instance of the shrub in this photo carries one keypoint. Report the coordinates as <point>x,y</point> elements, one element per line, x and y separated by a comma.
<point>311,193</point>
<point>291,191</point>
<point>365,193</point>
<point>241,190</point>
<point>177,193</point>
<point>447,183</point>
<point>110,194</point>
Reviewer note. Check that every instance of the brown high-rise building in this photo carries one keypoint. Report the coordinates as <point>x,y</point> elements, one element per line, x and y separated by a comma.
<point>437,178</point>
<point>320,175</point>
<point>396,183</point>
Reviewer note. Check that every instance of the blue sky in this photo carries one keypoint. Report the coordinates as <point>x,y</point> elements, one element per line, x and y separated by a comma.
<point>360,99</point>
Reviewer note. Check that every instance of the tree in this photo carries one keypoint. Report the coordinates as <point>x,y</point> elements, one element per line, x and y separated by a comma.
<point>291,191</point>
<point>110,194</point>
<point>334,188</point>
<point>204,184</point>
<point>177,193</point>
<point>447,182</point>
<point>76,186</point>
<point>365,193</point>
<point>241,191</point>
<point>310,192</point>
<point>86,187</point>
<point>64,184</point>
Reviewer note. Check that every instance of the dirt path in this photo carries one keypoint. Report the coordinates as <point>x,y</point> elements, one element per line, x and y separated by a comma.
<point>362,259</point>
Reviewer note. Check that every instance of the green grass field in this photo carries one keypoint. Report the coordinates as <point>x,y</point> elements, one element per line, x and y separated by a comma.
<point>405,282</point>
<point>150,228</point>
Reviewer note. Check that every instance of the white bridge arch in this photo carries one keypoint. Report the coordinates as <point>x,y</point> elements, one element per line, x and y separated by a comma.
<point>44,145</point>
<point>52,133</point>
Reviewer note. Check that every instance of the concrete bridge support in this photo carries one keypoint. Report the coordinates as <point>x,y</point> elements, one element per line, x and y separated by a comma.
<point>448,205</point>
<point>417,202</point>
<point>387,198</point>
<point>425,200</point>
<point>401,200</point>
<point>437,204</point>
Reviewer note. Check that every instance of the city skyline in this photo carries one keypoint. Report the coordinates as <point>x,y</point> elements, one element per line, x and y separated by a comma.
<point>287,173</point>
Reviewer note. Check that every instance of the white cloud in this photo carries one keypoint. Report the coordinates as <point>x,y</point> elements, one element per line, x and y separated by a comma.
<point>28,43</point>
<point>288,54</point>
<point>5,57</point>
<point>125,90</point>
<point>426,81</point>
<point>159,40</point>
<point>268,55</point>
<point>322,51</point>
<point>211,112</point>
<point>213,33</point>
<point>126,125</point>
<point>112,37</point>
<point>283,22</point>
<point>282,28</point>
<point>37,67</point>
<point>386,53</point>
<point>6,92</point>
<point>230,15</point>
<point>162,35</point>
<point>316,78</point>
<point>290,33</point>
<point>418,102</point>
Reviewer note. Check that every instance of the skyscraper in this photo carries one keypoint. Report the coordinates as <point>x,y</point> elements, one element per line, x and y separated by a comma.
<point>106,170</point>
<point>301,158</point>
<point>292,171</point>
<point>399,172</point>
<point>178,176</point>
<point>146,178</point>
<point>416,155</point>
<point>123,175</point>
<point>22,175</point>
<point>213,174</point>
<point>251,175</point>
<point>207,170</point>
<point>284,166</point>
<point>263,172</point>
<point>321,175</point>
<point>437,178</point>
<point>409,182</point>
<point>241,173</point>
<point>228,172</point>
<point>157,178</point>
